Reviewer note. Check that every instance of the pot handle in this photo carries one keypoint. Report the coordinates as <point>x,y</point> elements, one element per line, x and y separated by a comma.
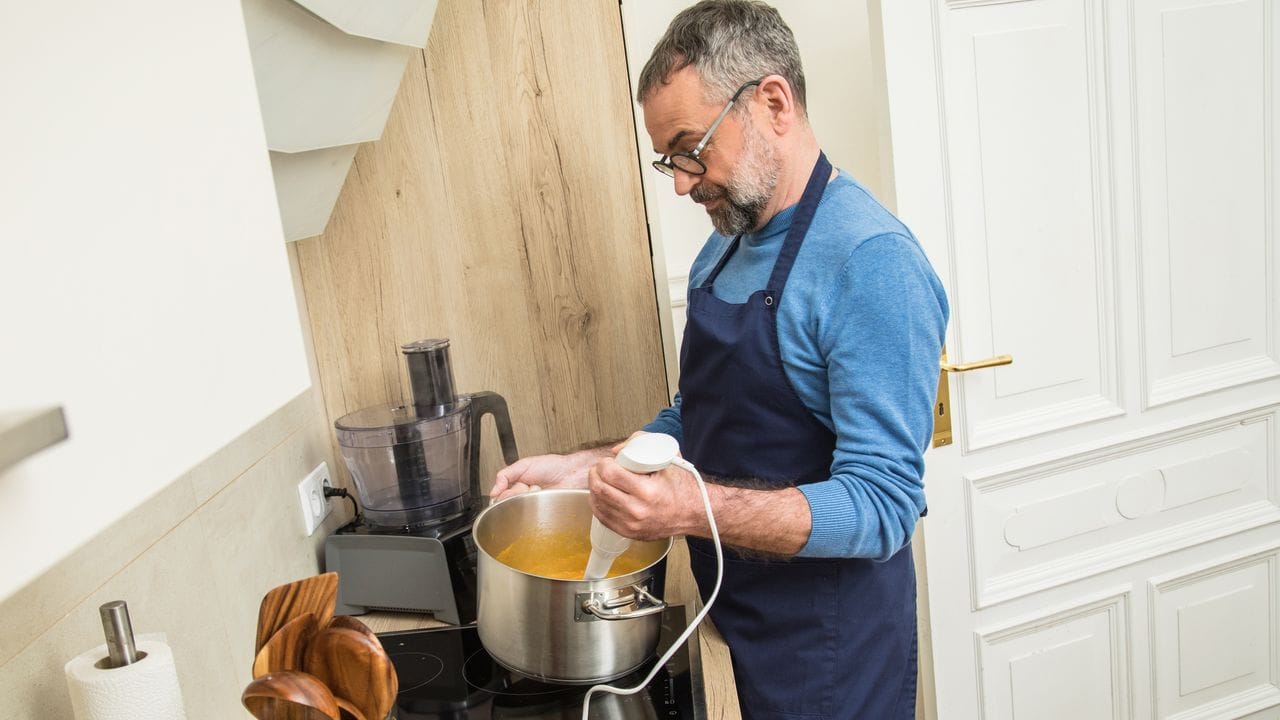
<point>604,609</point>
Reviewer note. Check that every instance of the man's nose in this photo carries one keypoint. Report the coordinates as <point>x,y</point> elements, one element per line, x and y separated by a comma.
<point>685,182</point>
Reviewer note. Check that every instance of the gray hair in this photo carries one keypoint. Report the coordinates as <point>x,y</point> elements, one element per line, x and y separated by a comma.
<point>728,43</point>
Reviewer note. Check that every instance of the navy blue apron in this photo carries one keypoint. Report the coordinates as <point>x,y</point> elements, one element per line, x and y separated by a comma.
<point>825,638</point>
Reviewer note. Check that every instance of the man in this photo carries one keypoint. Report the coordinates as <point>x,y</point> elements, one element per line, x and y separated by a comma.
<point>807,379</point>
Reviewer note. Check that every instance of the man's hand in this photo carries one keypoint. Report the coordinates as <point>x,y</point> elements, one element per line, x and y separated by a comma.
<point>545,471</point>
<point>669,503</point>
<point>551,471</point>
<point>645,507</point>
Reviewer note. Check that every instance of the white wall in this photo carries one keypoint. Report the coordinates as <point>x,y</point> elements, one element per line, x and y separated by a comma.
<point>846,108</point>
<point>144,282</point>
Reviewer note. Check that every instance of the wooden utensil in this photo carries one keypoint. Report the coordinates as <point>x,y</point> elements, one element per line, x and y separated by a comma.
<point>349,710</point>
<point>350,623</point>
<point>289,695</point>
<point>317,594</point>
<point>283,650</point>
<point>355,667</point>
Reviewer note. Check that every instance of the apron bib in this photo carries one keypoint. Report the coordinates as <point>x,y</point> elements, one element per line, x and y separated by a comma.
<point>809,637</point>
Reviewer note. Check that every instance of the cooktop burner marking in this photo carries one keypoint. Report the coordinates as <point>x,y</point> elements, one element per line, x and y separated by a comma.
<point>415,669</point>
<point>479,664</point>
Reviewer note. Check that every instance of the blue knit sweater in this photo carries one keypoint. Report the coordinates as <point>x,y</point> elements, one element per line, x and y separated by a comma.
<point>860,328</point>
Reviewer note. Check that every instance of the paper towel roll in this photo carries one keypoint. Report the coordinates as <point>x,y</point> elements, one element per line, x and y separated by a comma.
<point>146,690</point>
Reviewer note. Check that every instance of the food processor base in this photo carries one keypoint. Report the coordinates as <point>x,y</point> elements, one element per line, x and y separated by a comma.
<point>404,573</point>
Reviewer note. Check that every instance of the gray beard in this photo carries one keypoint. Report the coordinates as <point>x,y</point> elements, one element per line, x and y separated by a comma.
<point>735,216</point>
<point>749,190</point>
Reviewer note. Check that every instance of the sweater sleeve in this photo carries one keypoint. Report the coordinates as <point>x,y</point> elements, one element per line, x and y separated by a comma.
<point>668,421</point>
<point>880,331</point>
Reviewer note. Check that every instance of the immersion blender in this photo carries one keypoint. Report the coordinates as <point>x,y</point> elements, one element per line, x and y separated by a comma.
<point>643,455</point>
<point>648,454</point>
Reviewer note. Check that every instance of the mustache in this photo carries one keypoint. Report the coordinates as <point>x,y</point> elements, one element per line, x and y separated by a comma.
<point>703,194</point>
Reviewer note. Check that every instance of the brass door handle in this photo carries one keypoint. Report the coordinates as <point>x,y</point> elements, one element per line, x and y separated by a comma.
<point>942,406</point>
<point>996,361</point>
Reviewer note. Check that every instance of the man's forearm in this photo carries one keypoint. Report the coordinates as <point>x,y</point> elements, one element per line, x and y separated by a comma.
<point>771,521</point>
<point>595,448</point>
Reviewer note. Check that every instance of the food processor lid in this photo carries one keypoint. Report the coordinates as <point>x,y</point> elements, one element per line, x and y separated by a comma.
<point>386,425</point>
<point>424,346</point>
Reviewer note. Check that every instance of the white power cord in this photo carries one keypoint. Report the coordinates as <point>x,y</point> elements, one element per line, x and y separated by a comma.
<point>662,661</point>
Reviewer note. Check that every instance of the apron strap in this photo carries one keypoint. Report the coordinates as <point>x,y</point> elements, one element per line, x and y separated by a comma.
<point>800,225</point>
<point>724,260</point>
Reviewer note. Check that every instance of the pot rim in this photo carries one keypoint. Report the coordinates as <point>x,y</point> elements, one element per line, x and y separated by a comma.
<point>620,579</point>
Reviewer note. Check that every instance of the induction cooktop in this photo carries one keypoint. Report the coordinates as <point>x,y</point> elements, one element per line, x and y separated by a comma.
<point>446,673</point>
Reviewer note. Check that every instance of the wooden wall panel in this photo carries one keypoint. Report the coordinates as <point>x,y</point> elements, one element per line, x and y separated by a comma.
<point>502,209</point>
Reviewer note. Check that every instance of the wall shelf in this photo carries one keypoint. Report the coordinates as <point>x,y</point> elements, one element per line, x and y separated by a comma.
<point>24,433</point>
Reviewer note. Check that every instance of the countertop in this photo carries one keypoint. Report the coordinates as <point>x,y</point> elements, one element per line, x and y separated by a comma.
<point>717,670</point>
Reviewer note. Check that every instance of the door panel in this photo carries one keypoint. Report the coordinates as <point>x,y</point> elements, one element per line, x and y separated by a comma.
<point>1065,666</point>
<point>1209,291</point>
<point>1027,170</point>
<point>1214,639</point>
<point>1051,523</point>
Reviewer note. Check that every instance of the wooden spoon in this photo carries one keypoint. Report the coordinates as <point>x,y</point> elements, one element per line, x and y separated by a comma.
<point>350,711</point>
<point>355,667</point>
<point>317,594</point>
<point>283,650</point>
<point>289,695</point>
<point>350,623</point>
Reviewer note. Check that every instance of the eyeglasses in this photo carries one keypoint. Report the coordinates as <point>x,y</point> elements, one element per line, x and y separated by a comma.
<point>690,162</point>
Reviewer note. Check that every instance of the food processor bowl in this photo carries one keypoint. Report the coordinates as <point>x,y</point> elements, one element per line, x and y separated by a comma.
<point>410,464</point>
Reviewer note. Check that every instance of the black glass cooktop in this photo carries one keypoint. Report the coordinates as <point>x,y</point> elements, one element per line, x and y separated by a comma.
<point>446,673</point>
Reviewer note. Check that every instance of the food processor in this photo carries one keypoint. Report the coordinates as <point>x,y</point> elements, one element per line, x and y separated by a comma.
<point>416,469</point>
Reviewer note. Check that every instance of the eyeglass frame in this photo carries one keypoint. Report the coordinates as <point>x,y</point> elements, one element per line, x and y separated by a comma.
<point>668,168</point>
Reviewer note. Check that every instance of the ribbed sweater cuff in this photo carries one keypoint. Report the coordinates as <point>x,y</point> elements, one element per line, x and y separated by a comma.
<point>834,520</point>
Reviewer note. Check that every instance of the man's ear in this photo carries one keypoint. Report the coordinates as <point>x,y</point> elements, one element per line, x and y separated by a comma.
<point>775,96</point>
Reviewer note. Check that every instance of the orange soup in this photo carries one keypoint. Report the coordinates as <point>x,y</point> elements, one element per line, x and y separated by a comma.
<point>560,554</point>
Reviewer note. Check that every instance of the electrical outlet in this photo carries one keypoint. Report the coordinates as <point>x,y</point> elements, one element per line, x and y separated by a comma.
<point>315,506</point>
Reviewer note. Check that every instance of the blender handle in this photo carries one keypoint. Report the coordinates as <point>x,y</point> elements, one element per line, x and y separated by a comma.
<point>490,403</point>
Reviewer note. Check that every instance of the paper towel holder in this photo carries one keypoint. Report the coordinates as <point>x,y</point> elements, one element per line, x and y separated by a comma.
<point>121,650</point>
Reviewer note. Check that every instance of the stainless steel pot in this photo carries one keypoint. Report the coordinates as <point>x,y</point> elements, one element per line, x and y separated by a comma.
<point>573,631</point>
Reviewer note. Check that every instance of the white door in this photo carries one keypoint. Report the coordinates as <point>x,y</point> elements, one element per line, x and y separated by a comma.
<point>1095,182</point>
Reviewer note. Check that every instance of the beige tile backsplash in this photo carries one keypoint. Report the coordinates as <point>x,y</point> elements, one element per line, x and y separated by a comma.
<point>270,509</point>
<point>30,611</point>
<point>192,562</point>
